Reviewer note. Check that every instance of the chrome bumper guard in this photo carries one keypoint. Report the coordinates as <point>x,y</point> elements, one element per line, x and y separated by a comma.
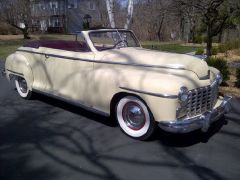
<point>202,121</point>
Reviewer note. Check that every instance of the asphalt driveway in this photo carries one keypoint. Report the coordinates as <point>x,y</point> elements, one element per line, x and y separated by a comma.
<point>46,139</point>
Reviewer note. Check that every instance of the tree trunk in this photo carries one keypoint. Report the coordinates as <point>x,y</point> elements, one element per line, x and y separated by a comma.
<point>25,33</point>
<point>192,32</point>
<point>209,42</point>
<point>209,46</point>
<point>129,13</point>
<point>190,36</point>
<point>24,30</point>
<point>109,4</point>
<point>182,28</point>
<point>160,28</point>
<point>220,36</point>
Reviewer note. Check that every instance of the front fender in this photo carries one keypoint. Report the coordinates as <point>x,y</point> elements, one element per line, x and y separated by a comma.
<point>18,65</point>
<point>161,82</point>
<point>112,80</point>
<point>160,89</point>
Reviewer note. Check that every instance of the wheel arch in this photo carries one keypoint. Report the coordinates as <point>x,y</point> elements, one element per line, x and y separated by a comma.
<point>147,130</point>
<point>116,98</point>
<point>18,65</point>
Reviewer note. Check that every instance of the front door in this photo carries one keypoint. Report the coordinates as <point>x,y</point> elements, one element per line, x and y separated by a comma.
<point>69,74</point>
<point>37,63</point>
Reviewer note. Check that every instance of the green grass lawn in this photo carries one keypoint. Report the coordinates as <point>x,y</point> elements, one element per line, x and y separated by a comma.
<point>9,44</point>
<point>5,50</point>
<point>55,36</point>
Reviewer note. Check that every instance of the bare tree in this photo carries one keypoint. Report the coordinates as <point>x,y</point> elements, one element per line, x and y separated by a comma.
<point>102,13</point>
<point>16,13</point>
<point>129,13</point>
<point>188,17</point>
<point>109,4</point>
<point>112,6</point>
<point>150,17</point>
<point>214,13</point>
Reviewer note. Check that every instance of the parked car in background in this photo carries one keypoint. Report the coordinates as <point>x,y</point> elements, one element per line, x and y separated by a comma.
<point>108,72</point>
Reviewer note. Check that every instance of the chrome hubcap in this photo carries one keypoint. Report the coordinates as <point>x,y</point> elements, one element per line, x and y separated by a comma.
<point>22,85</point>
<point>133,115</point>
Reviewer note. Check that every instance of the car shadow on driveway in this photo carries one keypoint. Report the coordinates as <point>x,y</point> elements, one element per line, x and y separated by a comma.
<point>168,139</point>
<point>31,139</point>
<point>108,121</point>
<point>35,145</point>
<point>189,139</point>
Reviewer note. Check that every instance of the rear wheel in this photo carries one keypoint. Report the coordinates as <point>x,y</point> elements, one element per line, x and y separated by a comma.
<point>134,118</point>
<point>22,88</point>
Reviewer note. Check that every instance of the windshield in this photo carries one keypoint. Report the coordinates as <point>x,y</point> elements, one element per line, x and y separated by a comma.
<point>103,40</point>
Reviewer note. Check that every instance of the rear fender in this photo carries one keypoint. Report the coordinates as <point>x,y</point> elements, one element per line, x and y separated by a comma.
<point>17,65</point>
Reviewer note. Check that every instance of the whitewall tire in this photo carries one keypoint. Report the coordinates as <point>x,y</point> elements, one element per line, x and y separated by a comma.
<point>22,88</point>
<point>134,118</point>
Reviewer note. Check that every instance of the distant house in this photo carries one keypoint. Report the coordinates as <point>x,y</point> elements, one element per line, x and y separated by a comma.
<point>62,15</point>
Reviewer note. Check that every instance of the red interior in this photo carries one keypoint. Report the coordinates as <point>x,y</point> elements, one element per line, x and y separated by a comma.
<point>60,44</point>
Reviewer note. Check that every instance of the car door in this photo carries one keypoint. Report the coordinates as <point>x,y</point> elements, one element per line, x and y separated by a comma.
<point>37,63</point>
<point>69,73</point>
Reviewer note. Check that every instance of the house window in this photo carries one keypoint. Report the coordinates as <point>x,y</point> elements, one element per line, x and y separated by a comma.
<point>91,6</point>
<point>55,22</point>
<point>40,6</point>
<point>33,8</point>
<point>72,4</point>
<point>54,5</point>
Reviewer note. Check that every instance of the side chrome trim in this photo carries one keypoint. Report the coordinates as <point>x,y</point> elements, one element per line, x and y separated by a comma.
<point>72,102</point>
<point>151,94</point>
<point>105,62</point>
<point>15,72</point>
<point>27,51</point>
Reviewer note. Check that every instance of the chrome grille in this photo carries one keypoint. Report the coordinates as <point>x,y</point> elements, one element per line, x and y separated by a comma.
<point>202,99</point>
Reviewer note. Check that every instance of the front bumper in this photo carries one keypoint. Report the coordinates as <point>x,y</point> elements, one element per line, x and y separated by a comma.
<point>202,121</point>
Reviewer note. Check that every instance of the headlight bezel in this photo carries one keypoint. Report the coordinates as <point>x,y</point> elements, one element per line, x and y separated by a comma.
<point>219,78</point>
<point>183,94</point>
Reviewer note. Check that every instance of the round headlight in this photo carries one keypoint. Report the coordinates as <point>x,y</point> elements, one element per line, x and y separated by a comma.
<point>219,78</point>
<point>183,94</point>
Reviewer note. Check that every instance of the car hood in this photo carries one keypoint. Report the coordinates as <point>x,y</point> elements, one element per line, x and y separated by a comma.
<point>157,59</point>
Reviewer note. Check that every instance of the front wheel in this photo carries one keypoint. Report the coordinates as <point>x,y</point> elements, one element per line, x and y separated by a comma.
<point>134,118</point>
<point>22,88</point>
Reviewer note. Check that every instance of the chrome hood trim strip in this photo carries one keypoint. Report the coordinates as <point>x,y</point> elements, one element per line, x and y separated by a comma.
<point>151,94</point>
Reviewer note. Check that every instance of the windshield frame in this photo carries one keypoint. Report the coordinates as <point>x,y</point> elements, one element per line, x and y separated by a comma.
<point>114,30</point>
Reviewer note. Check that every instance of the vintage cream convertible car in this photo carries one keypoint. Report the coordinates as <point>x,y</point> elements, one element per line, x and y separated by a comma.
<point>108,72</point>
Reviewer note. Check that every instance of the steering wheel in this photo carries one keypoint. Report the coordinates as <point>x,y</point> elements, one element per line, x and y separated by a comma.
<point>120,41</point>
